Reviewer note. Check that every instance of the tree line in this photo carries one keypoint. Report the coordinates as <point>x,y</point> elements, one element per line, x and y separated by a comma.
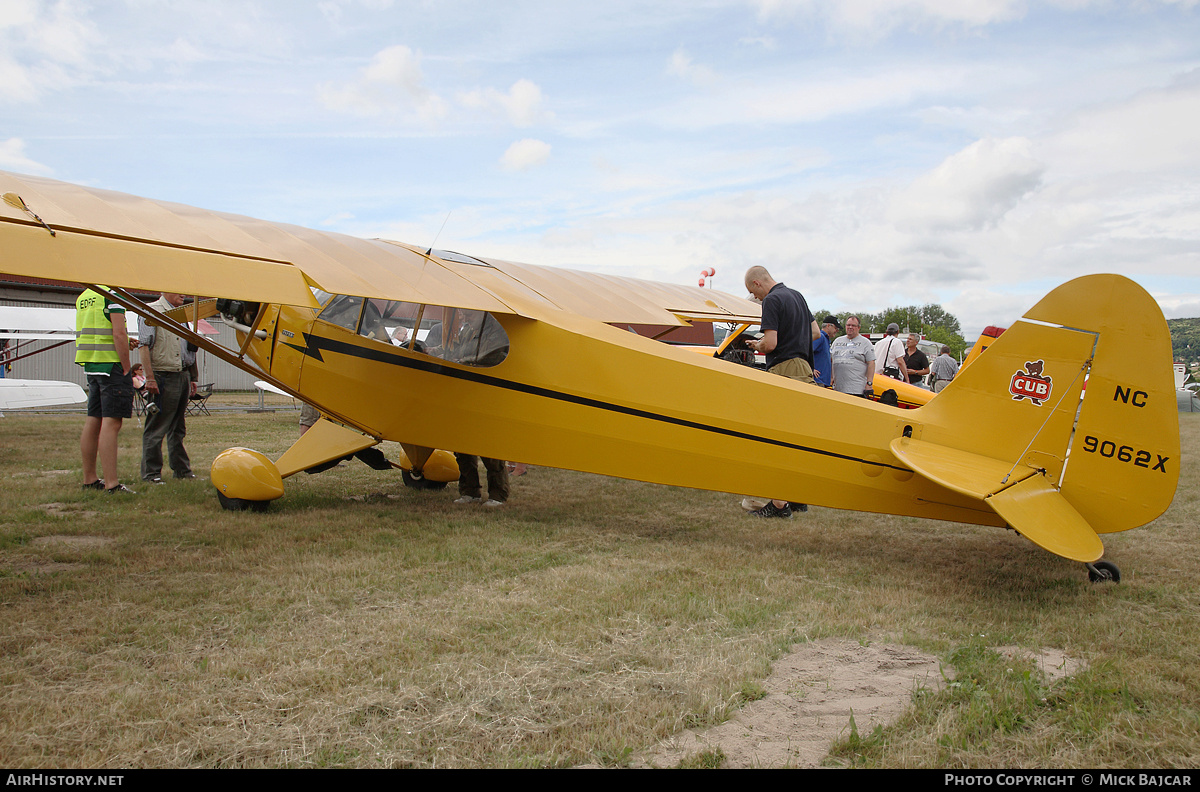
<point>1185,339</point>
<point>942,327</point>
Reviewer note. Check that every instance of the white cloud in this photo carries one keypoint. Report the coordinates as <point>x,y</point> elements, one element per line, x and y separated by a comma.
<point>16,13</point>
<point>972,189</point>
<point>16,82</point>
<point>337,218</point>
<point>522,105</point>
<point>392,83</point>
<point>681,65</point>
<point>183,51</point>
<point>525,154</point>
<point>874,19</point>
<point>12,157</point>
<point>62,35</point>
<point>1065,139</point>
<point>765,42</point>
<point>1155,130</point>
<point>781,100</point>
<point>45,47</point>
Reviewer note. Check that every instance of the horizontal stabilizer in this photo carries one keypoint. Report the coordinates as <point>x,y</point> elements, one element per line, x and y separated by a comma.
<point>1037,511</point>
<point>323,442</point>
<point>970,474</point>
<point>1022,496</point>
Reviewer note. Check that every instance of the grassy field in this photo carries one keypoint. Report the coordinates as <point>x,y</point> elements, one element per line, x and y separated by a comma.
<point>362,624</point>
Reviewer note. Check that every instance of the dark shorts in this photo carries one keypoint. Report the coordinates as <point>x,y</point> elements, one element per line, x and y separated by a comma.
<point>110,396</point>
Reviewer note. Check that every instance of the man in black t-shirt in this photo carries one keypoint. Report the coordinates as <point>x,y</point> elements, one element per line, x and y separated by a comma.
<point>915,361</point>
<point>788,331</point>
<point>787,325</point>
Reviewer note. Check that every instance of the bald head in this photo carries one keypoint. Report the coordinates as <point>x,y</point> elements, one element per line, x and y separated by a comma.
<point>759,281</point>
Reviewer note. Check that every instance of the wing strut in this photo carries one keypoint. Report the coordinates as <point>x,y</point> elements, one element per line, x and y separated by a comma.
<point>131,303</point>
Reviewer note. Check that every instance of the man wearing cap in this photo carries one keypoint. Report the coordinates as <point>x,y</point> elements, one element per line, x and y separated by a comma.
<point>822,360</point>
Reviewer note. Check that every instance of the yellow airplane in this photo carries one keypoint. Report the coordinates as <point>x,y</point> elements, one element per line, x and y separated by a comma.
<point>512,361</point>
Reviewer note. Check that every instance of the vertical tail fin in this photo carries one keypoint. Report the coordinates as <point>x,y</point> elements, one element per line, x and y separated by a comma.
<point>1110,452</point>
<point>1124,465</point>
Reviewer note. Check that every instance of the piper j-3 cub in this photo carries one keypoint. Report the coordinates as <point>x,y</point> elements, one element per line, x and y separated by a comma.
<point>511,361</point>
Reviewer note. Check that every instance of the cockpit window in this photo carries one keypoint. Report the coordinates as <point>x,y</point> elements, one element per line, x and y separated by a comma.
<point>472,338</point>
<point>343,311</point>
<point>389,321</point>
<point>322,297</point>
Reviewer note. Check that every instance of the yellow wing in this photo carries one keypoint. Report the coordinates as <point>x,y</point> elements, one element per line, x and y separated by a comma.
<point>107,237</point>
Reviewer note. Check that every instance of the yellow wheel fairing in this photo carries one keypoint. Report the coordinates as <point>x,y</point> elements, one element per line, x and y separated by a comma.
<point>246,474</point>
<point>441,467</point>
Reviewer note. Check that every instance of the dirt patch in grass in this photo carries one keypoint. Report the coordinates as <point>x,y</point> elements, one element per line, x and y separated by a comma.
<point>56,544</point>
<point>80,542</point>
<point>1053,663</point>
<point>67,510</point>
<point>36,566</point>
<point>811,697</point>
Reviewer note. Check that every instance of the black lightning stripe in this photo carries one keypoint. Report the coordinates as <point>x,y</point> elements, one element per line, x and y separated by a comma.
<point>314,344</point>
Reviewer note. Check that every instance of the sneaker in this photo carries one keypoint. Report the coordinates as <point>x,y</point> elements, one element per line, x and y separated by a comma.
<point>770,510</point>
<point>98,484</point>
<point>153,480</point>
<point>468,499</point>
<point>799,507</point>
<point>120,489</point>
<point>186,477</point>
<point>493,503</point>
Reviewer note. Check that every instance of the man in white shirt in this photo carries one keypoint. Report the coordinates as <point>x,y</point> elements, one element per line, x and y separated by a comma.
<point>889,352</point>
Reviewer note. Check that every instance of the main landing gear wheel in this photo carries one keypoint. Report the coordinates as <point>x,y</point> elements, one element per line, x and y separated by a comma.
<point>417,481</point>
<point>245,479</point>
<point>1103,572</point>
<point>242,504</point>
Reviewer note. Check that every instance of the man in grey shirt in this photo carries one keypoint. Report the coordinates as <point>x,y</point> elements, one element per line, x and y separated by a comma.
<point>853,361</point>
<point>943,370</point>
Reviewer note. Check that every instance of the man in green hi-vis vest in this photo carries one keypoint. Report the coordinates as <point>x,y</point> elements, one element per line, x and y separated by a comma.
<point>102,348</point>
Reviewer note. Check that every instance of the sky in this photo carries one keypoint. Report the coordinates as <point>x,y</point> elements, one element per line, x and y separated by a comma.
<point>869,153</point>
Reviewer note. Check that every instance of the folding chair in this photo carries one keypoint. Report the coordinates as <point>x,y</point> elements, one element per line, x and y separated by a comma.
<point>140,402</point>
<point>197,405</point>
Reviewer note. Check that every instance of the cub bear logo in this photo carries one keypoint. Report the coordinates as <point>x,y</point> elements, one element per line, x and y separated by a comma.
<point>1030,384</point>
